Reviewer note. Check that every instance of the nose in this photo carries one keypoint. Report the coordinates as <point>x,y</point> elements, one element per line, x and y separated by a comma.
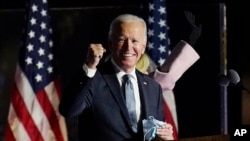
<point>127,44</point>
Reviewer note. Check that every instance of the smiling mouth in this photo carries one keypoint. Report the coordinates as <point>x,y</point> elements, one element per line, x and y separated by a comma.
<point>128,54</point>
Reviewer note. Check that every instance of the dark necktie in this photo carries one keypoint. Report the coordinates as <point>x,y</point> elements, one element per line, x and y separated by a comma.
<point>130,100</point>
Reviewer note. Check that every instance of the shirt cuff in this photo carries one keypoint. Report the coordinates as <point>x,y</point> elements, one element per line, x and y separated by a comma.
<point>166,80</point>
<point>89,72</point>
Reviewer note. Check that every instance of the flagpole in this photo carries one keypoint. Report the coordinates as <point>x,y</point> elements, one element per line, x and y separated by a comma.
<point>224,88</point>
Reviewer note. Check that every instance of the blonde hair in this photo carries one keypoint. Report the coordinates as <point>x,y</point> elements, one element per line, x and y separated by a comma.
<point>143,64</point>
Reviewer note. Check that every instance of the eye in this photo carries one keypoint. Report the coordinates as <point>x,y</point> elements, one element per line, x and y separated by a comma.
<point>135,41</point>
<point>121,39</point>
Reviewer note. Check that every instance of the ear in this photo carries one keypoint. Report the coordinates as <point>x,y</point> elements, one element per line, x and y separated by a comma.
<point>144,49</point>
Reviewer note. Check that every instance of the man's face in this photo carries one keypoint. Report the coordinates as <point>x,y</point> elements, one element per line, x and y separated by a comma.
<point>128,44</point>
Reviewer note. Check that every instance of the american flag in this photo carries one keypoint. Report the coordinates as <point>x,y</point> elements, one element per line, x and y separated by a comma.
<point>158,41</point>
<point>33,113</point>
<point>158,49</point>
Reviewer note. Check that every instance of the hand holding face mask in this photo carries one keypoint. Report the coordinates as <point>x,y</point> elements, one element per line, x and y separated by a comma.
<point>153,127</point>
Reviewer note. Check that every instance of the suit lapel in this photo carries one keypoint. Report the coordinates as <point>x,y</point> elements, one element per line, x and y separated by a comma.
<point>143,88</point>
<point>114,86</point>
<point>109,75</point>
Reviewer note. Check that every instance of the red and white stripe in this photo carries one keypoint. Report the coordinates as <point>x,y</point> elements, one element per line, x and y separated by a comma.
<point>34,117</point>
<point>170,111</point>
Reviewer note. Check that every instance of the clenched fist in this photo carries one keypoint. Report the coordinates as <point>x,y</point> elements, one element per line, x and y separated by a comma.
<point>94,55</point>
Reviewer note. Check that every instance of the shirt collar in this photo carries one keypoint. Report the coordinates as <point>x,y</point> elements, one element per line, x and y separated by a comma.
<point>120,72</point>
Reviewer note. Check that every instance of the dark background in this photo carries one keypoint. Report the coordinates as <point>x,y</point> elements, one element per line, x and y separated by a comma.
<point>77,23</point>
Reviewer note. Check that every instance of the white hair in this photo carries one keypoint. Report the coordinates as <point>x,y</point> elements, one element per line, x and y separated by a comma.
<point>126,18</point>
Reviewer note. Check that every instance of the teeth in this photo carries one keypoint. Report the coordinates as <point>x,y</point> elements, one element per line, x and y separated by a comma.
<point>128,54</point>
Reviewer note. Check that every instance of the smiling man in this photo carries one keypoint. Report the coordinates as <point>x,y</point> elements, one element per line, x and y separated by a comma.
<point>110,107</point>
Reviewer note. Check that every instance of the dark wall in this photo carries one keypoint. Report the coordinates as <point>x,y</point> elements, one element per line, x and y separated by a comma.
<point>197,92</point>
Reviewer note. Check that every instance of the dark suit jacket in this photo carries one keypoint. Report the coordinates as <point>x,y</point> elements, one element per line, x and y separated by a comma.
<point>101,110</point>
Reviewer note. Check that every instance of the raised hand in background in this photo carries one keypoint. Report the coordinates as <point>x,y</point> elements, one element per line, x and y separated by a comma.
<point>195,29</point>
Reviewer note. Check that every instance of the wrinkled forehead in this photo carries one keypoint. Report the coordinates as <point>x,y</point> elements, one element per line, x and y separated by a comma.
<point>135,29</point>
